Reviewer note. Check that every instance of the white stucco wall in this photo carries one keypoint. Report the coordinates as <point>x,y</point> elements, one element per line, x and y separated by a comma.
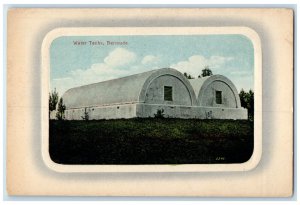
<point>223,113</point>
<point>170,111</point>
<point>103,112</point>
<point>188,112</point>
<point>53,115</point>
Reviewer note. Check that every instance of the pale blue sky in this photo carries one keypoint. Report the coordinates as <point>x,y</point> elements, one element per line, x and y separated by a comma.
<point>74,65</point>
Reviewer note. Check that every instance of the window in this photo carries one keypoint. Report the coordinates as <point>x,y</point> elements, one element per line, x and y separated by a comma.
<point>168,93</point>
<point>219,97</point>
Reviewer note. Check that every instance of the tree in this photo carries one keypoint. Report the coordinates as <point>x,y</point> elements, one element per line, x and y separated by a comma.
<point>243,98</point>
<point>53,99</point>
<point>60,115</point>
<point>188,76</point>
<point>251,104</point>
<point>206,72</point>
<point>247,101</point>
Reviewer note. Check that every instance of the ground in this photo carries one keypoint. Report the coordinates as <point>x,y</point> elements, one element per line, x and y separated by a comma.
<point>151,141</point>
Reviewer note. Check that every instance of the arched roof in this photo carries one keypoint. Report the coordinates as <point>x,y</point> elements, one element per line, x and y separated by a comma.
<point>126,90</point>
<point>199,85</point>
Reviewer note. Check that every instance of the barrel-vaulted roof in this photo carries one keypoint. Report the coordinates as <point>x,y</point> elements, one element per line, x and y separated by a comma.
<point>199,85</point>
<point>126,90</point>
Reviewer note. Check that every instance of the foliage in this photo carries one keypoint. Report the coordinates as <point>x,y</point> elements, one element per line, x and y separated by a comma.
<point>247,101</point>
<point>150,141</point>
<point>188,76</point>
<point>60,115</point>
<point>86,115</point>
<point>159,113</point>
<point>206,72</point>
<point>53,99</point>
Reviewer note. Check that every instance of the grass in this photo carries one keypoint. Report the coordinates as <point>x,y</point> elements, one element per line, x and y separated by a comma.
<point>151,141</point>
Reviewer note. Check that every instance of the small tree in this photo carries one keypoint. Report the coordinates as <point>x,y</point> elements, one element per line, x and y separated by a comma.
<point>242,95</point>
<point>159,113</point>
<point>188,76</point>
<point>53,99</point>
<point>206,72</point>
<point>185,74</point>
<point>60,115</point>
<point>86,114</point>
<point>247,101</point>
<point>251,105</point>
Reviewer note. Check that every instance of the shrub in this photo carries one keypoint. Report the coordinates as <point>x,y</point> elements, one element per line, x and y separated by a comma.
<point>86,115</point>
<point>159,113</point>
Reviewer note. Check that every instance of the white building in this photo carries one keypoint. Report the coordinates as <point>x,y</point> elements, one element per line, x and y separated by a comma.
<point>218,98</point>
<point>144,94</point>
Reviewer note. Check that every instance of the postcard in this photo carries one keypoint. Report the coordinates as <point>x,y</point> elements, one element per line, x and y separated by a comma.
<point>100,104</point>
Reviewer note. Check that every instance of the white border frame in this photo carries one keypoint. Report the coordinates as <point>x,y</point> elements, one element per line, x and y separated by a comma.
<point>108,31</point>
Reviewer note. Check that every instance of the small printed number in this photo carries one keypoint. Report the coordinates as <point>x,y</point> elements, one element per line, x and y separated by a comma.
<point>220,158</point>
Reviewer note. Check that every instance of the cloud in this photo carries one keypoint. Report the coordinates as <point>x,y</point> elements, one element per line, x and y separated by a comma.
<point>119,62</point>
<point>120,57</point>
<point>150,60</point>
<point>241,77</point>
<point>194,64</point>
<point>218,61</point>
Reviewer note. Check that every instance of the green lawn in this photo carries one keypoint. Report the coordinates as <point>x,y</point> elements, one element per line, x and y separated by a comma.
<point>151,141</point>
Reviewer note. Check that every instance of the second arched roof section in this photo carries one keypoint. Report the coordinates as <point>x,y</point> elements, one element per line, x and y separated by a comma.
<point>199,85</point>
<point>167,72</point>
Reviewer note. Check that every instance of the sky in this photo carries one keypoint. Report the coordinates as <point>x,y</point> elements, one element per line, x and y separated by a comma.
<point>74,65</point>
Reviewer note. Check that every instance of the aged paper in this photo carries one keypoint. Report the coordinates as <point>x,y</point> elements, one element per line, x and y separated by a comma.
<point>30,175</point>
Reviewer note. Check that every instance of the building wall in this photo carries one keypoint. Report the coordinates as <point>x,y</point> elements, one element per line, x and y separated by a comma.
<point>186,112</point>
<point>222,113</point>
<point>103,112</point>
<point>180,93</point>
<point>149,110</point>
<point>209,97</point>
<point>53,115</point>
<point>169,111</point>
